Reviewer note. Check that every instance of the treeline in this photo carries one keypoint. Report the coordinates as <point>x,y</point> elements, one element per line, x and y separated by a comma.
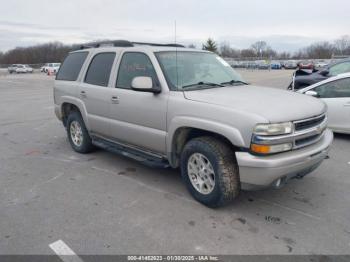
<point>50,52</point>
<point>56,52</point>
<point>320,50</point>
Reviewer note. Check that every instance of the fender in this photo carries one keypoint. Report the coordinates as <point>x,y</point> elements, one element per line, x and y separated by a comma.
<point>229,132</point>
<point>78,103</point>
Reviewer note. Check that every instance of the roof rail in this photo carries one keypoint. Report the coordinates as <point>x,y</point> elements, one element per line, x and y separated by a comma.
<point>116,43</point>
<point>155,44</point>
<point>123,43</point>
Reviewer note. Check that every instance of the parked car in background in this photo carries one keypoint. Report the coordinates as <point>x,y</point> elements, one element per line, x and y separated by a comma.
<point>302,78</point>
<point>12,68</point>
<point>252,65</point>
<point>305,65</point>
<point>335,92</point>
<point>234,64</point>
<point>23,69</point>
<point>42,69</point>
<point>29,69</point>
<point>275,65</point>
<point>291,64</point>
<point>52,67</point>
<point>263,65</point>
<point>320,65</point>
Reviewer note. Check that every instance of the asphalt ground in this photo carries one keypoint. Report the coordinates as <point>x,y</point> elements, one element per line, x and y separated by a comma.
<point>103,203</point>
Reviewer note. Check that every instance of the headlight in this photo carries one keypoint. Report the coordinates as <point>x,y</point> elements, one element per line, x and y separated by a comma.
<point>262,135</point>
<point>273,129</point>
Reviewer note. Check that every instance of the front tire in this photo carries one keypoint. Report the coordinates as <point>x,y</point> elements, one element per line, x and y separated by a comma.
<point>210,171</point>
<point>78,135</point>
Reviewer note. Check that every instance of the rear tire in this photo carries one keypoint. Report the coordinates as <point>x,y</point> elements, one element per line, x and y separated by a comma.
<point>214,155</point>
<point>78,135</point>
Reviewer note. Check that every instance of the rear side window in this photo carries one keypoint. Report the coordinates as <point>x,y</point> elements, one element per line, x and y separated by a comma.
<point>100,69</point>
<point>71,66</point>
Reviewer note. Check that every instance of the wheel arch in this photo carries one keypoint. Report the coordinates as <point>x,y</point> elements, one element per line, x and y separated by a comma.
<point>179,135</point>
<point>73,105</point>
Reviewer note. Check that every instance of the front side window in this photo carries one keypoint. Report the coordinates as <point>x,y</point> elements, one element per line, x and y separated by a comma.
<point>188,68</point>
<point>339,68</point>
<point>100,69</point>
<point>71,66</point>
<point>132,65</point>
<point>338,88</point>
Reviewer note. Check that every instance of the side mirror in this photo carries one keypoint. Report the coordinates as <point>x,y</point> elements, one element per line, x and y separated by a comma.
<point>144,84</point>
<point>311,93</point>
<point>324,72</point>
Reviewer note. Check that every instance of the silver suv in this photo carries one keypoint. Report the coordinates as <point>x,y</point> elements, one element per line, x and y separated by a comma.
<point>170,106</point>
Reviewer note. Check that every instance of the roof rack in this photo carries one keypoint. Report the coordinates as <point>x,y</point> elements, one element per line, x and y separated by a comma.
<point>155,44</point>
<point>116,43</point>
<point>124,43</point>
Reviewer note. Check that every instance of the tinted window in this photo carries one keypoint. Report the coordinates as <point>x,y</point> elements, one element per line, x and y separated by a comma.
<point>340,68</point>
<point>71,66</point>
<point>133,65</point>
<point>100,69</point>
<point>338,88</point>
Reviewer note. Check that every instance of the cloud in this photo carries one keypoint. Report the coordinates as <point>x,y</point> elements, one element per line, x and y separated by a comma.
<point>285,25</point>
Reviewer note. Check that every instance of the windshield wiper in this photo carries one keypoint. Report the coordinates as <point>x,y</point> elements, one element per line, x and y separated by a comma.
<point>203,84</point>
<point>232,82</point>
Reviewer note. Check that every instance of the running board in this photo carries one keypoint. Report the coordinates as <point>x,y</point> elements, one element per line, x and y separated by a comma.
<point>145,158</point>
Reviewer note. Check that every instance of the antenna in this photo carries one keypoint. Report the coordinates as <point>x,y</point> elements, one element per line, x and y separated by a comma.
<point>177,74</point>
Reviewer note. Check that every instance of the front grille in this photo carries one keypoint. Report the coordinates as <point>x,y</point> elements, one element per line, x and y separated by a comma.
<point>306,124</point>
<point>309,131</point>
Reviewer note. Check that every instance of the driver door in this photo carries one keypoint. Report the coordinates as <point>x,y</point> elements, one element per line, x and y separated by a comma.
<point>138,118</point>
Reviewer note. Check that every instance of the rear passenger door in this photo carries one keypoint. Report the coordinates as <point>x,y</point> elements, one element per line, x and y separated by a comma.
<point>95,92</point>
<point>138,118</point>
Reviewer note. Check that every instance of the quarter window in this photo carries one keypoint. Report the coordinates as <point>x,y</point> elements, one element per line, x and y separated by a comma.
<point>338,88</point>
<point>71,66</point>
<point>133,65</point>
<point>100,69</point>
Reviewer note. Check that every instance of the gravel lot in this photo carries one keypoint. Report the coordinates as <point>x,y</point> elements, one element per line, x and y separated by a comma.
<point>107,204</point>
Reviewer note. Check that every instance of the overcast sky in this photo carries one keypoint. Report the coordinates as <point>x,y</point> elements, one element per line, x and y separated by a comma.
<point>285,25</point>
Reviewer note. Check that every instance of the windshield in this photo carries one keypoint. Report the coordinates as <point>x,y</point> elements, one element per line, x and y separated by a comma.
<point>195,69</point>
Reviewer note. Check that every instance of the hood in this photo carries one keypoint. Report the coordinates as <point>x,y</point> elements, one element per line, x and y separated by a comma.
<point>273,104</point>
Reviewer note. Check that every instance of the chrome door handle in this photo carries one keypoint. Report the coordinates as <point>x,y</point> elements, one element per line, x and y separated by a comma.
<point>347,104</point>
<point>83,94</point>
<point>115,100</point>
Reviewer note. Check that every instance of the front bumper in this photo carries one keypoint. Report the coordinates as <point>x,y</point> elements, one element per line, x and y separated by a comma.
<point>262,171</point>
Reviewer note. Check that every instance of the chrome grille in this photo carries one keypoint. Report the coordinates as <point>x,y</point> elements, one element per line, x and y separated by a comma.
<point>309,131</point>
<point>309,123</point>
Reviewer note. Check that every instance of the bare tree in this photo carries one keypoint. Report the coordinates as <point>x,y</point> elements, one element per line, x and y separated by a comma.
<point>259,47</point>
<point>50,52</point>
<point>284,55</point>
<point>322,50</point>
<point>227,51</point>
<point>245,53</point>
<point>342,45</point>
